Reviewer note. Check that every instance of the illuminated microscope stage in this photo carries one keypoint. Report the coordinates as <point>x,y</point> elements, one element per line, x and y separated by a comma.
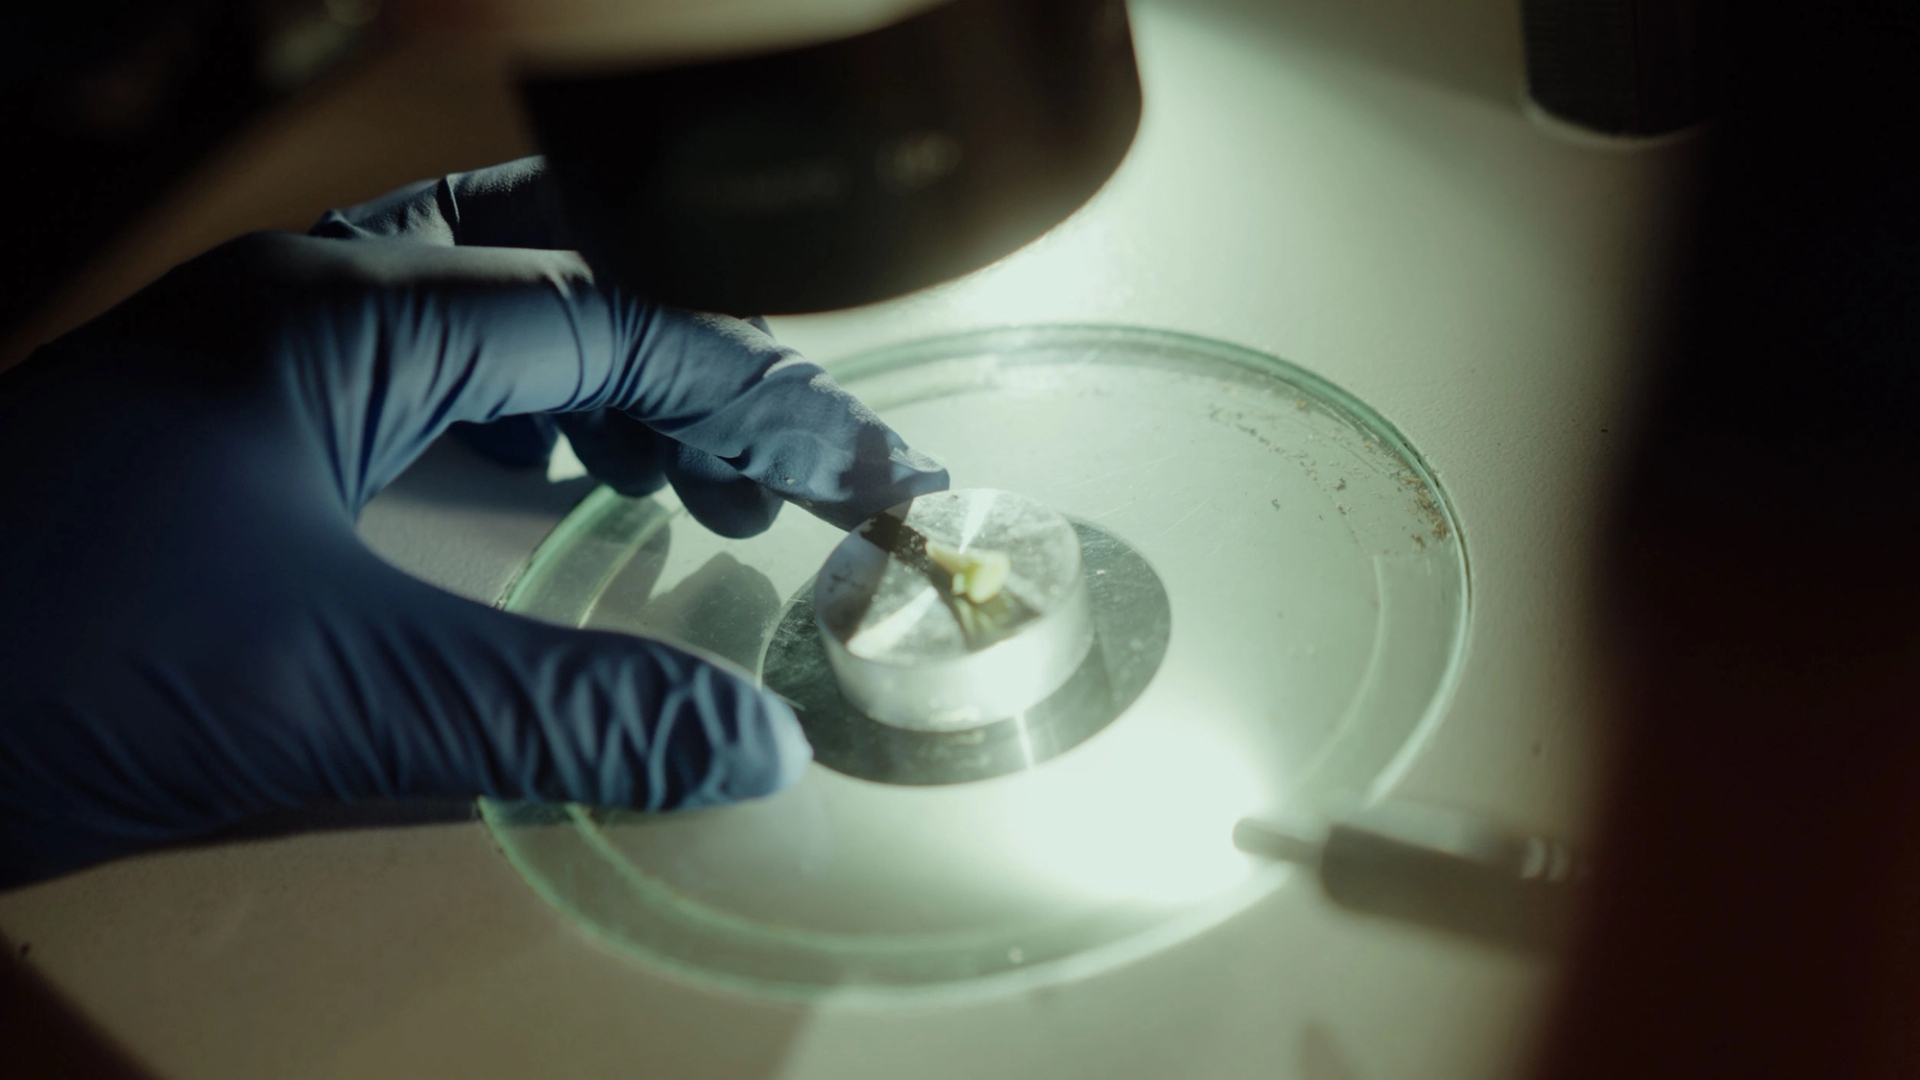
<point>1232,590</point>
<point>934,688</point>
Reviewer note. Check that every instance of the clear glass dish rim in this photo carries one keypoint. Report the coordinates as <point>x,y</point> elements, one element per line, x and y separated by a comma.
<point>881,360</point>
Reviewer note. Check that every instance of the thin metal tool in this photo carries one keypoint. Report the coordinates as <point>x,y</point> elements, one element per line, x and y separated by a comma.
<point>1440,868</point>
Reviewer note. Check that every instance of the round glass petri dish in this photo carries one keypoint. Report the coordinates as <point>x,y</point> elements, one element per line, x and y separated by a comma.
<point>1315,611</point>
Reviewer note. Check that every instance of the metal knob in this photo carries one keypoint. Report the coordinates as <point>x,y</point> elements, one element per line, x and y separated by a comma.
<point>954,610</point>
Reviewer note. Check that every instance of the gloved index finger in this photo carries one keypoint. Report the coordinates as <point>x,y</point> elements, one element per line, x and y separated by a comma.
<point>728,389</point>
<point>515,204</point>
<point>437,334</point>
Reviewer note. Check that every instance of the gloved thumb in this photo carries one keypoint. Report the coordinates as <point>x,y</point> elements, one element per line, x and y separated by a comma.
<point>453,698</point>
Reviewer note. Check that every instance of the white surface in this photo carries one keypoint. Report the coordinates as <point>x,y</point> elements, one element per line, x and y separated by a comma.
<point>467,525</point>
<point>1478,282</point>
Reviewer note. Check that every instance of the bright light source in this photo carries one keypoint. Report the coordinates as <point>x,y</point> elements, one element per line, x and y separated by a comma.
<point>1147,816</point>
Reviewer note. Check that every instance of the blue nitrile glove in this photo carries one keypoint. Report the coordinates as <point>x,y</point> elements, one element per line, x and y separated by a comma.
<point>190,631</point>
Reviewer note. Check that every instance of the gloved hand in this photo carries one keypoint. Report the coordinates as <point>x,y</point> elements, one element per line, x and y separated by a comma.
<point>190,631</point>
